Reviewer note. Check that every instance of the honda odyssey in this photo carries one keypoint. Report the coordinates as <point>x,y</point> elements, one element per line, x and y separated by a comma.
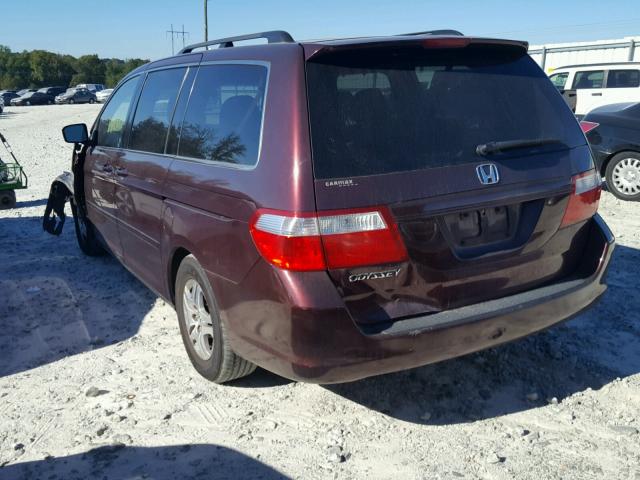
<point>331,210</point>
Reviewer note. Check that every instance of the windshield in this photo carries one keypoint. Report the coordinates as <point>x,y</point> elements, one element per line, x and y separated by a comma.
<point>28,94</point>
<point>381,110</point>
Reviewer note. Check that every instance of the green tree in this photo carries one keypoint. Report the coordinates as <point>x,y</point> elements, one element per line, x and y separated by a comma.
<point>16,72</point>
<point>50,69</point>
<point>115,69</point>
<point>40,68</point>
<point>89,69</point>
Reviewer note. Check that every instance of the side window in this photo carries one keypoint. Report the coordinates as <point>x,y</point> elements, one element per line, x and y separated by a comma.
<point>153,113</point>
<point>114,117</point>
<point>559,80</point>
<point>224,115</point>
<point>593,79</point>
<point>623,79</point>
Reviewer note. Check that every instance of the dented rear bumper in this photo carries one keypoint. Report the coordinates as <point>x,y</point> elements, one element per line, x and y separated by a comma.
<point>326,346</point>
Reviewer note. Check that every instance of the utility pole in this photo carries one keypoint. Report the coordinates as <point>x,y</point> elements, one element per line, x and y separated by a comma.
<point>173,33</point>
<point>206,22</point>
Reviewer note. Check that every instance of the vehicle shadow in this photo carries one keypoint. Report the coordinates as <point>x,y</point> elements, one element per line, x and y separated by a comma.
<point>589,351</point>
<point>56,302</point>
<point>8,114</point>
<point>159,463</point>
<point>40,202</point>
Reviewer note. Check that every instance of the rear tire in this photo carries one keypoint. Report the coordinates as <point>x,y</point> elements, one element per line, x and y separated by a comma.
<point>86,234</point>
<point>7,199</point>
<point>203,333</point>
<point>623,176</point>
<point>91,100</point>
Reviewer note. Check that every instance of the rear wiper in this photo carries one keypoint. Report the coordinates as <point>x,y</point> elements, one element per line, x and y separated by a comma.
<point>485,149</point>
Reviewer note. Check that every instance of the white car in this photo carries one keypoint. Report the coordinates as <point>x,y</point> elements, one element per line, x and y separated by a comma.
<point>103,95</point>
<point>92,87</point>
<point>586,87</point>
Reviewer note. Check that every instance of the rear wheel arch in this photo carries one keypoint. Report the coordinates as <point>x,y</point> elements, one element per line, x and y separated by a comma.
<point>178,255</point>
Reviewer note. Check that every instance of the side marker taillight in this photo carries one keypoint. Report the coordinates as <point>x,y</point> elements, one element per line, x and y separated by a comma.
<point>584,199</point>
<point>327,240</point>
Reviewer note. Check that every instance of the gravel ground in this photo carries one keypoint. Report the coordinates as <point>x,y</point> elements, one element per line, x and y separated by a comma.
<point>94,382</point>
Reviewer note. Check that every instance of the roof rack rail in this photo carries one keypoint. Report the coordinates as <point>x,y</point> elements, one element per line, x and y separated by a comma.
<point>435,32</point>
<point>274,36</point>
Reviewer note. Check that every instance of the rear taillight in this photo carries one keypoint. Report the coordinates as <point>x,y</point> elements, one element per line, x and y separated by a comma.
<point>583,202</point>
<point>327,240</point>
<point>588,126</point>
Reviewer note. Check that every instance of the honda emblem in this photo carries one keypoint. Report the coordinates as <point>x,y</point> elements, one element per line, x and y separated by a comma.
<point>488,173</point>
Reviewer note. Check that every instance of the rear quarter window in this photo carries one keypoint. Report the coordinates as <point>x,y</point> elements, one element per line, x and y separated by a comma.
<point>223,118</point>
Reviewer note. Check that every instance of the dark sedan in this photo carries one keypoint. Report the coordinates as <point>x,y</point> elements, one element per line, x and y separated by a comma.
<point>53,91</point>
<point>614,134</point>
<point>7,96</point>
<point>76,95</point>
<point>33,98</point>
<point>25,90</point>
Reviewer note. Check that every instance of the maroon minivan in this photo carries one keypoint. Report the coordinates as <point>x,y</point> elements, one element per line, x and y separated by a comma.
<point>332,210</point>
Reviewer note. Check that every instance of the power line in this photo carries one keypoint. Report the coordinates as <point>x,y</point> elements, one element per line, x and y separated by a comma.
<point>175,33</point>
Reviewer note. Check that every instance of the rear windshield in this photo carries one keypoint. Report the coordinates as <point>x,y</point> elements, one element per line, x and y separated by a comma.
<point>379,111</point>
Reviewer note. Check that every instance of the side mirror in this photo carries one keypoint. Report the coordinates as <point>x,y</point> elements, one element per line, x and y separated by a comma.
<point>76,133</point>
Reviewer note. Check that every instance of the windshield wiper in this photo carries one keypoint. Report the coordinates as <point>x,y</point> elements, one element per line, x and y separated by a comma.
<point>485,149</point>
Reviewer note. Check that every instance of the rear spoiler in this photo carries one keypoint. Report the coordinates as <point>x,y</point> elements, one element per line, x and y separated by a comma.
<point>314,50</point>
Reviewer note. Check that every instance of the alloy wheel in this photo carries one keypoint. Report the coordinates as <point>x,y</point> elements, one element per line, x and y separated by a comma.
<point>197,318</point>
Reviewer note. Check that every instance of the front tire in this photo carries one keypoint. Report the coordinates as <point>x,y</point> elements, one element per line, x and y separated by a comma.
<point>91,100</point>
<point>86,234</point>
<point>72,101</point>
<point>7,199</point>
<point>203,333</point>
<point>623,176</point>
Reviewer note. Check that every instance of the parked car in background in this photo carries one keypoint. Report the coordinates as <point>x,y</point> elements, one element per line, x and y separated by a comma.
<point>53,91</point>
<point>586,87</point>
<point>33,98</point>
<point>103,95</point>
<point>76,95</point>
<point>6,97</point>
<point>338,209</point>
<point>613,132</point>
<point>25,90</point>
<point>92,87</point>
<point>1,104</point>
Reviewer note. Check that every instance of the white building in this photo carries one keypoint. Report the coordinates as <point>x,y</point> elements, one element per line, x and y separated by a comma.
<point>555,55</point>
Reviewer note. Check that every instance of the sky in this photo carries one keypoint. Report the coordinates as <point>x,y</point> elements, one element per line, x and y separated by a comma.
<point>138,28</point>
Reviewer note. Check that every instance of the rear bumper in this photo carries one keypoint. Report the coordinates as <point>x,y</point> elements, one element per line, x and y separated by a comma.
<point>326,346</point>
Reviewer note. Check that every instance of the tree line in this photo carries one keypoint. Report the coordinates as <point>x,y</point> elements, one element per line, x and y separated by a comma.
<point>40,68</point>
